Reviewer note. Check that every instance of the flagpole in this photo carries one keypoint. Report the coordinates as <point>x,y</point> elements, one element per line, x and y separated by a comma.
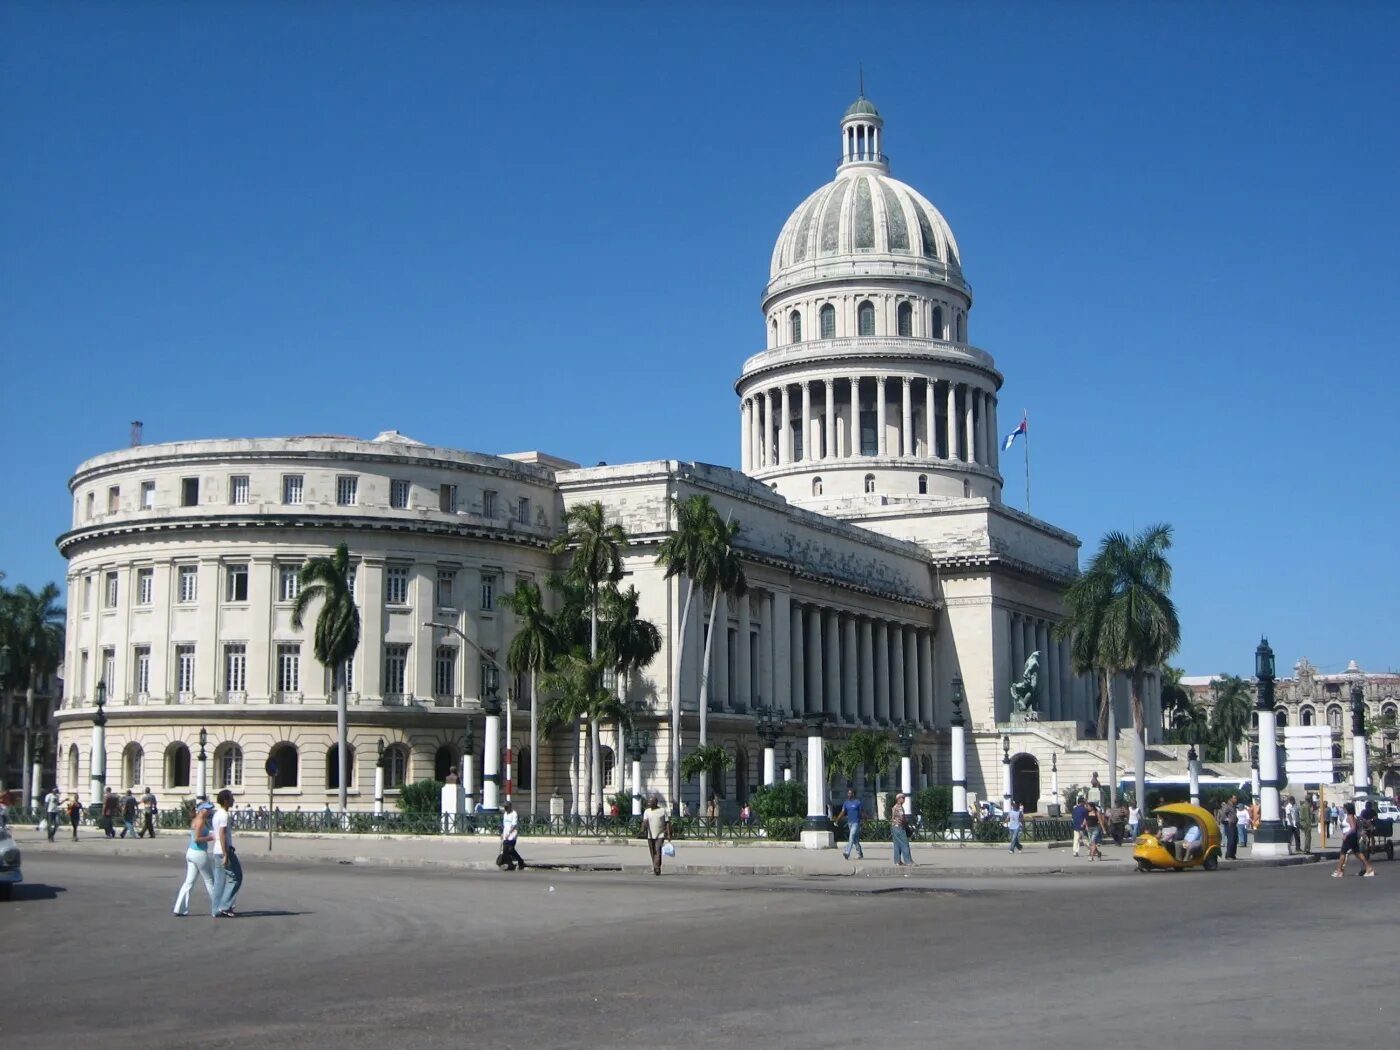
<point>1027,436</point>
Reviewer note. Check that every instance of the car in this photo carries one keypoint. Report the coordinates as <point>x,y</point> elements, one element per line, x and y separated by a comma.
<point>9,863</point>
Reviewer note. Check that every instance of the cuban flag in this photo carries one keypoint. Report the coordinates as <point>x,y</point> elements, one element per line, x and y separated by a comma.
<point>1011,437</point>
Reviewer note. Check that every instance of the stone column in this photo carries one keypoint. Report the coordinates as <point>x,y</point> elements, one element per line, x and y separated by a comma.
<point>828,448</point>
<point>719,698</point>
<point>1018,645</point>
<point>814,659</point>
<point>882,672</point>
<point>927,715</point>
<point>866,709</point>
<point>993,434</point>
<point>906,432</point>
<point>770,763</point>
<point>1052,679</point>
<point>491,763</point>
<point>817,832</point>
<point>880,443</point>
<point>930,418</point>
<point>785,428</point>
<point>853,420</point>
<point>897,675</point>
<point>1042,644</point>
<point>950,420</point>
<point>968,435</point>
<point>778,625</point>
<point>832,649</point>
<point>807,422</point>
<point>911,676</point>
<point>770,398</point>
<point>798,663</point>
<point>746,435</point>
<point>849,701</point>
<point>742,689</point>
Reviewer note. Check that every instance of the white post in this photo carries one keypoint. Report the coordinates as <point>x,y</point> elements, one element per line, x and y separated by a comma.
<point>957,742</point>
<point>770,765</point>
<point>1271,838</point>
<point>787,774</point>
<point>491,765</point>
<point>1055,780</point>
<point>818,832</point>
<point>379,789</point>
<point>36,770</point>
<point>469,781</point>
<point>1193,765</point>
<point>636,787</point>
<point>202,777</point>
<point>906,782</point>
<point>510,743</point>
<point>454,801</point>
<point>1360,771</point>
<point>1006,783</point>
<point>98,764</point>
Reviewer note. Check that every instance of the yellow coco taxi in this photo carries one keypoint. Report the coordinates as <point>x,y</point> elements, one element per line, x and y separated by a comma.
<point>1187,837</point>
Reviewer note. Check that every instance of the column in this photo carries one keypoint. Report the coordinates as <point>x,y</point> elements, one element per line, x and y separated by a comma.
<point>828,449</point>
<point>897,675</point>
<point>930,437</point>
<point>950,420</point>
<point>814,660</point>
<point>785,428</point>
<point>882,672</point>
<point>779,673</point>
<point>1018,645</point>
<point>746,435</point>
<point>832,649</point>
<point>97,763</point>
<point>850,704</point>
<point>1052,681</point>
<point>865,709</point>
<point>968,436</point>
<point>911,676</point>
<point>927,715</point>
<point>880,444</point>
<point>993,434</point>
<point>1271,838</point>
<point>491,765</point>
<point>719,698</point>
<point>958,756</point>
<point>807,421</point>
<point>853,420</point>
<point>742,689</point>
<point>817,831</point>
<point>770,455</point>
<point>798,663</point>
<point>770,764</point>
<point>906,432</point>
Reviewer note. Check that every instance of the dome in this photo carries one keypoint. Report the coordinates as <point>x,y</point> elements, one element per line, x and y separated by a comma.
<point>862,107</point>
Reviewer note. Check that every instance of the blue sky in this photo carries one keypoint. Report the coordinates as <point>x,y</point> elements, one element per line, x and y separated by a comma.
<point>550,228</point>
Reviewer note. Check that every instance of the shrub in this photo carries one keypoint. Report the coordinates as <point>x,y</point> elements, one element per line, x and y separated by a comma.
<point>784,799</point>
<point>421,797</point>
<point>623,801</point>
<point>934,803</point>
<point>989,831</point>
<point>783,829</point>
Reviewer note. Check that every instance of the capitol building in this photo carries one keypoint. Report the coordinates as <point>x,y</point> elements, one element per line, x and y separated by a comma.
<point>882,562</point>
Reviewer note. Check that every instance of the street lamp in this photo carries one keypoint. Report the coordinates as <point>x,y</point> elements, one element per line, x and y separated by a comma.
<point>787,760</point>
<point>637,742</point>
<point>97,762</point>
<point>491,705</point>
<point>818,831</point>
<point>379,779</point>
<point>907,734</point>
<point>1271,838</point>
<point>203,780</point>
<point>959,820</point>
<point>1006,774</point>
<point>770,727</point>
<point>469,765</point>
<point>1193,770</point>
<point>1361,774</point>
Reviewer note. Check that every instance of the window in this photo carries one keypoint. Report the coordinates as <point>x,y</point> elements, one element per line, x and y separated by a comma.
<point>189,583</point>
<point>938,332</point>
<point>292,489</point>
<point>148,495</point>
<point>189,492</point>
<point>184,668</point>
<point>1307,716</point>
<point>609,761</point>
<point>923,484</point>
<point>83,678</point>
<point>488,593</point>
<point>445,671</point>
<point>109,591</point>
<point>91,504</point>
<point>395,767</point>
<point>446,579</point>
<point>795,327</point>
<point>177,766</point>
<point>488,504</point>
<point>1334,717</point>
<point>347,487</point>
<point>967,489</point>
<point>141,670</point>
<point>288,766</point>
<point>447,498</point>
<point>72,763</point>
<point>870,483</point>
<point>87,594</point>
<point>962,327</point>
<point>1281,717</point>
<point>114,499</point>
<point>521,771</point>
<point>398,494</point>
<point>288,667</point>
<point>236,588</point>
<point>235,667</point>
<point>865,318</point>
<point>228,761</point>
<point>288,582</point>
<point>444,762</point>
<point>522,511</point>
<point>395,668</point>
<point>109,670</point>
<point>333,767</point>
<point>828,321</point>
<point>816,486</point>
<point>905,319</point>
<point>238,489</point>
<point>396,585</point>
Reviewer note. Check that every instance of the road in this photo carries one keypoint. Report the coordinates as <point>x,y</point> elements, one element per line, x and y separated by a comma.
<point>355,957</point>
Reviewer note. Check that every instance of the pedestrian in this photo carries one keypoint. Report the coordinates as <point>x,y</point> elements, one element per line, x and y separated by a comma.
<point>75,814</point>
<point>510,830</point>
<point>1013,825</point>
<point>53,806</point>
<point>1306,817</point>
<point>148,814</point>
<point>1290,819</point>
<point>1134,820</point>
<point>1351,844</point>
<point>111,806</point>
<point>899,832</point>
<point>746,815</point>
<point>1078,816</point>
<point>711,811</point>
<point>197,862</point>
<point>851,811</point>
<point>129,814</point>
<point>228,872</point>
<point>656,824</point>
<point>1093,828</point>
<point>1242,823</point>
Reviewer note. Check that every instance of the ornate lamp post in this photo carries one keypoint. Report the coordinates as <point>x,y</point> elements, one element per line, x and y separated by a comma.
<point>1193,768</point>
<point>959,820</point>
<point>97,762</point>
<point>38,752</point>
<point>379,779</point>
<point>491,752</point>
<point>818,831</point>
<point>7,664</point>
<point>1055,780</point>
<point>1271,838</point>
<point>1361,773</point>
<point>469,765</point>
<point>1006,774</point>
<point>907,733</point>
<point>787,761</point>
<point>1253,738</point>
<point>638,740</point>
<point>202,776</point>
<point>770,728</point>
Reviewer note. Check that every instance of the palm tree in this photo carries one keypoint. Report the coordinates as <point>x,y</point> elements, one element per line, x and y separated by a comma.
<point>720,571</point>
<point>37,624</point>
<point>1175,700</point>
<point>337,635</point>
<point>707,761</point>
<point>628,642</point>
<point>597,560</point>
<point>870,752</point>
<point>532,649</point>
<point>573,682</point>
<point>1234,705</point>
<point>1082,625</point>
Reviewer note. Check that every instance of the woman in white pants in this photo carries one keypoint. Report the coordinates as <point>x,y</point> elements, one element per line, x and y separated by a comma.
<point>197,860</point>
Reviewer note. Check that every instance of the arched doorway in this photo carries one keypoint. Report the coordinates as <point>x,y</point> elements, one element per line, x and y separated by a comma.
<point>1025,781</point>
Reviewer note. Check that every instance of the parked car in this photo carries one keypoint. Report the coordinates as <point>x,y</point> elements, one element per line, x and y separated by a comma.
<point>9,863</point>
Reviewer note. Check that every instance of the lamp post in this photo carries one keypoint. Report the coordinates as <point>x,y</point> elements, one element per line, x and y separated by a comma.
<point>1193,770</point>
<point>770,728</point>
<point>818,831</point>
<point>379,779</point>
<point>1254,785</point>
<point>1360,771</point>
<point>41,745</point>
<point>469,765</point>
<point>97,762</point>
<point>1006,774</point>
<point>637,742</point>
<point>1271,838</point>
<point>907,733</point>
<point>7,663</point>
<point>959,820</point>
<point>202,778</point>
<point>787,761</point>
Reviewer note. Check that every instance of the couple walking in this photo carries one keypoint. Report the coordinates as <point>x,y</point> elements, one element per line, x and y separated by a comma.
<point>853,812</point>
<point>211,856</point>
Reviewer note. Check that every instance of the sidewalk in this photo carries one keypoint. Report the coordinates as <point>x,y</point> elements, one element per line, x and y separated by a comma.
<point>478,853</point>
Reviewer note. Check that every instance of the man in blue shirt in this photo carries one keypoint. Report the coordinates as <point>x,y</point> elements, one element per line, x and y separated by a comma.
<point>1078,816</point>
<point>851,811</point>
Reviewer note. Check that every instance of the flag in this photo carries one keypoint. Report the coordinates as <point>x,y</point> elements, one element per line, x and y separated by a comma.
<point>1011,437</point>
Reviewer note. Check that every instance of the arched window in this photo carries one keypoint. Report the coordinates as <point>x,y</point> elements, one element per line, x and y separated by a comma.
<point>520,773</point>
<point>133,765</point>
<point>228,766</point>
<point>1306,716</point>
<point>288,766</point>
<point>444,760</point>
<point>870,483</point>
<point>816,486</point>
<point>865,318</point>
<point>333,767</point>
<point>395,767</point>
<point>1390,714</point>
<point>906,319</point>
<point>923,484</point>
<point>609,761</point>
<point>774,328</point>
<point>967,489</point>
<point>962,327</point>
<point>1334,717</point>
<point>828,316</point>
<point>938,332</point>
<point>1281,717</point>
<point>72,784</point>
<point>177,766</point>
<point>795,326</point>
<point>1254,720</point>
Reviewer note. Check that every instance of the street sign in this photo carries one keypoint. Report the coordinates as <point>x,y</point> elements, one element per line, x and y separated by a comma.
<point>1308,754</point>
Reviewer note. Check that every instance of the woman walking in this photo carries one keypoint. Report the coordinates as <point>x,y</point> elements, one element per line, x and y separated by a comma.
<point>1095,824</point>
<point>1351,843</point>
<point>75,814</point>
<point>197,862</point>
<point>899,832</point>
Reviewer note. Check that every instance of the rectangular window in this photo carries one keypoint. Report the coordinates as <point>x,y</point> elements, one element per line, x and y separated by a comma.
<point>396,585</point>
<point>238,489</point>
<point>522,511</point>
<point>114,499</point>
<point>237,589</point>
<point>398,494</point>
<point>445,671</point>
<point>395,668</point>
<point>488,593</point>
<point>82,671</point>
<point>87,594</point>
<point>347,487</point>
<point>868,444</point>
<point>189,492</point>
<point>446,582</point>
<point>447,498</point>
<point>288,667</point>
<point>109,671</point>
<point>145,586</point>
<point>189,583</point>
<point>148,495</point>
<point>236,667</point>
<point>184,668</point>
<point>109,591</point>
<point>488,504</point>
<point>288,583</point>
<point>291,489</point>
<point>91,504</point>
<point>141,662</point>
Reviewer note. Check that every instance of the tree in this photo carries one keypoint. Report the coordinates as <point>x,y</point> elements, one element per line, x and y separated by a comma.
<point>573,682</point>
<point>336,637</point>
<point>1083,626</point>
<point>870,753</point>
<point>719,571</point>
<point>36,624</point>
<point>628,643</point>
<point>1234,705</point>
<point>707,761</point>
<point>531,651</point>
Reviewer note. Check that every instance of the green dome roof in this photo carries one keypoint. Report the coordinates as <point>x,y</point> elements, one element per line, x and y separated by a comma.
<point>862,107</point>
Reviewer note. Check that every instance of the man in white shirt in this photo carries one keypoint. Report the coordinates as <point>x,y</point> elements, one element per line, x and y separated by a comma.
<point>510,829</point>
<point>51,808</point>
<point>1190,843</point>
<point>656,824</point>
<point>228,873</point>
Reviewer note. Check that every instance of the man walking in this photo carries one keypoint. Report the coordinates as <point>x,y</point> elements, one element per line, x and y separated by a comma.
<point>148,814</point>
<point>851,811</point>
<point>128,814</point>
<point>1306,818</point>
<point>1013,825</point>
<point>111,806</point>
<point>510,829</point>
<point>1290,821</point>
<point>52,807</point>
<point>228,872</point>
<point>1078,815</point>
<point>1231,824</point>
<point>656,824</point>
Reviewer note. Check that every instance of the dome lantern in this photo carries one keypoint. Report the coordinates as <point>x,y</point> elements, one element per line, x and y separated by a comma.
<point>861,131</point>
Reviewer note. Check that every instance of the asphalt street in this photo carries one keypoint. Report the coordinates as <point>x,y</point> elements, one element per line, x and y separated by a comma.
<point>347,956</point>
